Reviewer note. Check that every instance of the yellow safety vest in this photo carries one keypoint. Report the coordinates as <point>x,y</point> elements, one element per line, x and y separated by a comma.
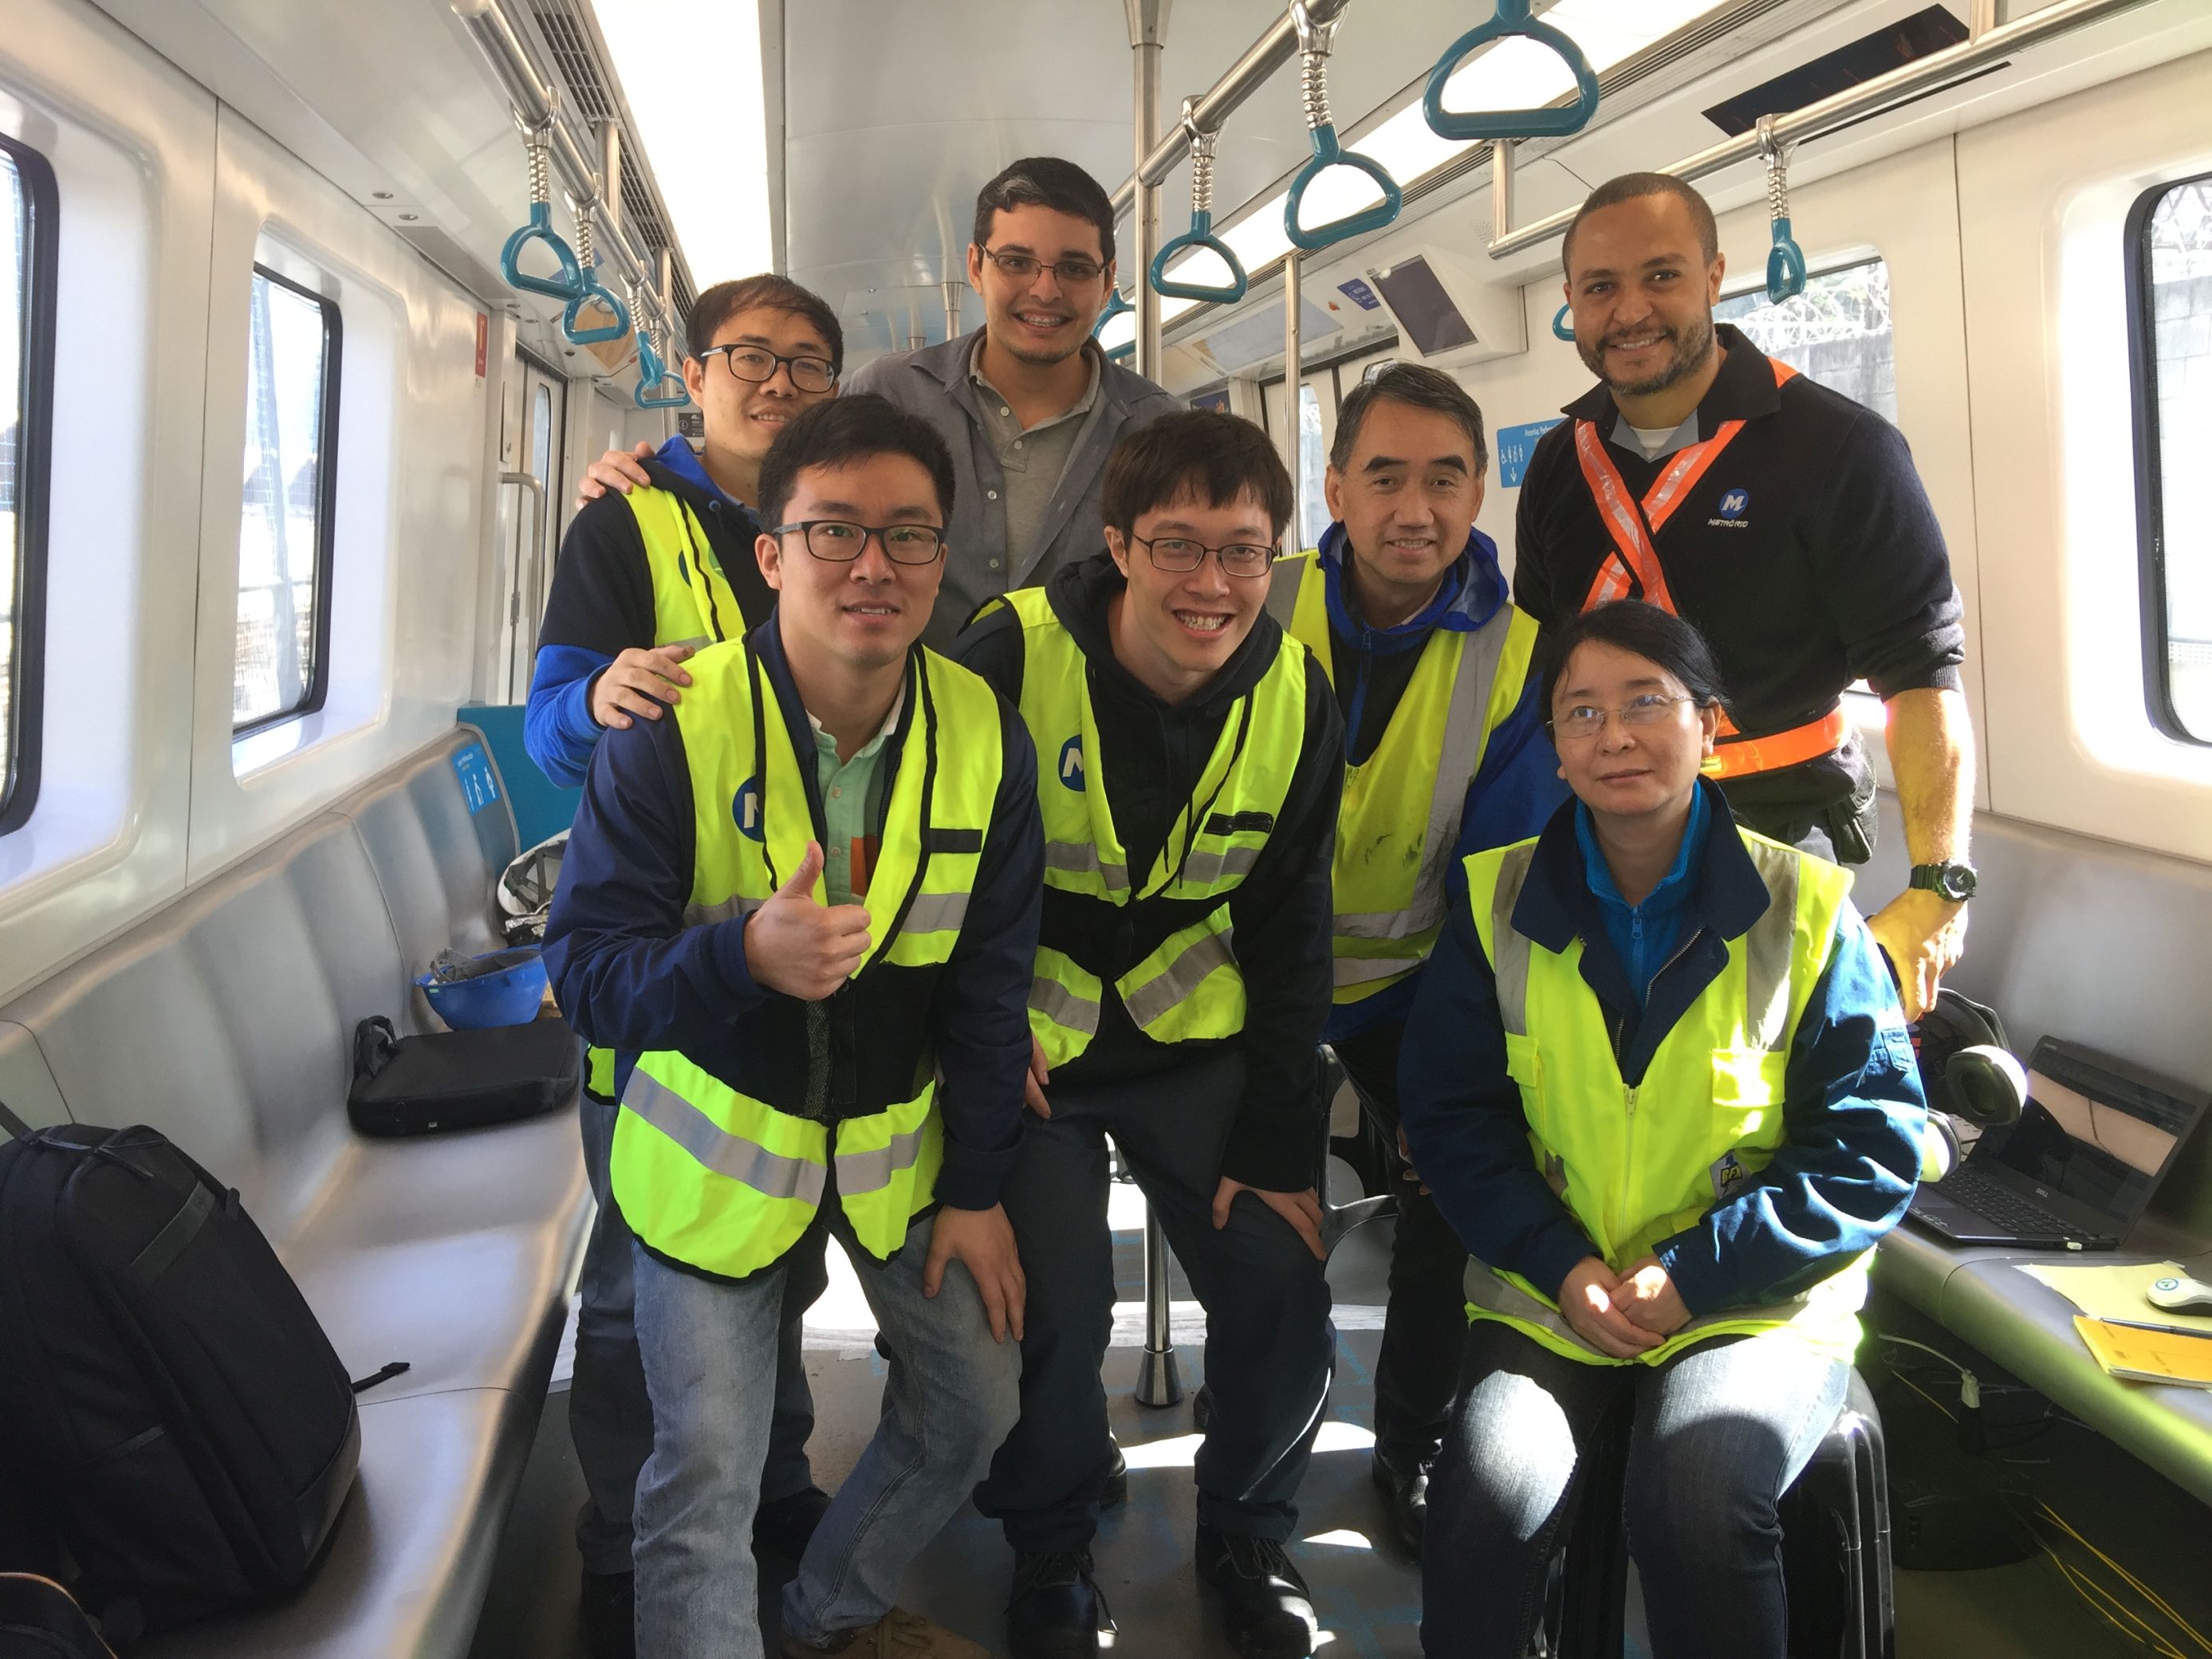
<point>1402,805</point>
<point>1638,1165</point>
<point>726,1178</point>
<point>1188,987</point>
<point>693,604</point>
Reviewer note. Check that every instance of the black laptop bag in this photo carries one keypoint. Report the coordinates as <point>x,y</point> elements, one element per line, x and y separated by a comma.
<point>459,1079</point>
<point>169,1403</point>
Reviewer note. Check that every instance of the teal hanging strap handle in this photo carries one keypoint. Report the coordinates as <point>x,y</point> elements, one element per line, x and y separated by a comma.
<point>1512,18</point>
<point>570,284</point>
<point>1201,233</point>
<point>1563,326</point>
<point>1116,306</point>
<point>587,257</point>
<point>1785,260</point>
<point>1314,40</point>
<point>654,376</point>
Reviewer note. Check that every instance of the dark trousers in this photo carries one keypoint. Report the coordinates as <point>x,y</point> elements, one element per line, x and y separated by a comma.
<point>1269,1346</point>
<point>1425,1324</point>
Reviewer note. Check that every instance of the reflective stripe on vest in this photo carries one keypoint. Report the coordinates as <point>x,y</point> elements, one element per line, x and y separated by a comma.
<point>1188,986</point>
<point>1631,569</point>
<point>1635,1166</point>
<point>1389,867</point>
<point>693,604</point>
<point>712,1177</point>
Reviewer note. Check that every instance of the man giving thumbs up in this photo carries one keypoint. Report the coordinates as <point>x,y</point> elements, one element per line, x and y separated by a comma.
<point>809,897</point>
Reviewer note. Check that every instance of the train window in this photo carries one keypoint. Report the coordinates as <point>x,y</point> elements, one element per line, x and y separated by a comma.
<point>1837,330</point>
<point>285,530</point>
<point>2170,256</point>
<point>26,296</point>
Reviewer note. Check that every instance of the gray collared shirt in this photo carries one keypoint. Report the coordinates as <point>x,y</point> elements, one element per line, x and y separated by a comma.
<point>1033,458</point>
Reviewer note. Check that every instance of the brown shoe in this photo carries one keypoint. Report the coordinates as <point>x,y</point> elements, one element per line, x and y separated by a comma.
<point>897,1635</point>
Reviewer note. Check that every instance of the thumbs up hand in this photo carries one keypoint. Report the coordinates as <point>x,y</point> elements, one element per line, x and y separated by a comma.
<point>800,947</point>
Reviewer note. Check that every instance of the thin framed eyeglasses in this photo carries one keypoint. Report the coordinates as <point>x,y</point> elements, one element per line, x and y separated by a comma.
<point>758,365</point>
<point>836,542</point>
<point>1074,273</point>
<point>1585,721</point>
<point>1179,554</point>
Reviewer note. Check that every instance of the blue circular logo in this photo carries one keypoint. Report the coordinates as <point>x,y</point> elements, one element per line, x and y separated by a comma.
<point>1736,504</point>
<point>746,810</point>
<point>1071,763</point>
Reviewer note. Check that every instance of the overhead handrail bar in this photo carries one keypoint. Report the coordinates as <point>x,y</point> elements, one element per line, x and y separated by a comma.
<point>1315,39</point>
<point>1785,260</point>
<point>1512,18</point>
<point>568,284</point>
<point>587,257</point>
<point>1200,235</point>
<point>1245,76</point>
<point>1868,98</point>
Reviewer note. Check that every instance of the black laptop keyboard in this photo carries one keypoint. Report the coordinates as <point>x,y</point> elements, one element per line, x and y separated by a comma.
<point>1994,1202</point>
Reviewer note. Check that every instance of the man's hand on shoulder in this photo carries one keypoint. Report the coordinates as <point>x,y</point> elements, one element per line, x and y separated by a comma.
<point>618,470</point>
<point>638,682</point>
<point>982,1240</point>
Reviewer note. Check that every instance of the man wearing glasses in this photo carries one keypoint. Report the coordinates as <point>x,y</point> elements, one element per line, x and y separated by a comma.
<point>642,582</point>
<point>804,905</point>
<point>1190,759</point>
<point>1029,406</point>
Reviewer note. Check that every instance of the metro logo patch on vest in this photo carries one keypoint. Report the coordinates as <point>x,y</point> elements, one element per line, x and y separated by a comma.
<point>745,809</point>
<point>1734,504</point>
<point>1071,763</point>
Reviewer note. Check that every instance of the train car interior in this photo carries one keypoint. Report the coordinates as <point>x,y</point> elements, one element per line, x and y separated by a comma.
<point>292,429</point>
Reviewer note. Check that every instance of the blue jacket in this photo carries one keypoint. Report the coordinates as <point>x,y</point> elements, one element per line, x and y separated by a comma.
<point>1518,786</point>
<point>630,975</point>
<point>1852,1109</point>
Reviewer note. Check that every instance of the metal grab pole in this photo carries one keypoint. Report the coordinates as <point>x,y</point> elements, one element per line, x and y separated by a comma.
<point>1159,1383</point>
<point>1293,403</point>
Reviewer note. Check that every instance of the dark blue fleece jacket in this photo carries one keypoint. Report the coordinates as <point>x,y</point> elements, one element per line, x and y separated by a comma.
<point>1853,1111</point>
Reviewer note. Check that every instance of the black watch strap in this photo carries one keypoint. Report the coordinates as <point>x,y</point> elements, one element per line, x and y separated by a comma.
<point>1955,882</point>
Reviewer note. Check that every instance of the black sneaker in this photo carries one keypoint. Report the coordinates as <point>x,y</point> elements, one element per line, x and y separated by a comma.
<point>1264,1602</point>
<point>784,1527</point>
<point>1056,1608</point>
<point>1115,1490</point>
<point>608,1612</point>
<point>1405,1487</point>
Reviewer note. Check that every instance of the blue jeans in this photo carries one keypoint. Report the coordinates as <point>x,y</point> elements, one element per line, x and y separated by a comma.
<point>950,1397</point>
<point>1717,1435</point>
<point>609,1418</point>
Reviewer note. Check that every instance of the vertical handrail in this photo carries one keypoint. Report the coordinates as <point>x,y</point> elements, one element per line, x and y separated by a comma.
<point>1293,384</point>
<point>536,486</point>
<point>1159,1381</point>
<point>1147,40</point>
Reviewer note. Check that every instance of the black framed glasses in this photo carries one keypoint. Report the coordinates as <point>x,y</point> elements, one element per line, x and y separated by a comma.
<point>758,365</point>
<point>1180,555</point>
<point>1072,273</point>
<point>836,542</point>
<point>1585,721</point>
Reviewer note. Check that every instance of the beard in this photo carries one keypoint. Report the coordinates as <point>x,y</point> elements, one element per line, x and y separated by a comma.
<point>1693,342</point>
<point>1045,358</point>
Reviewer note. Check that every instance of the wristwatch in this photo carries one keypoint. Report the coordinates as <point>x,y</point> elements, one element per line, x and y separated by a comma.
<point>1955,882</point>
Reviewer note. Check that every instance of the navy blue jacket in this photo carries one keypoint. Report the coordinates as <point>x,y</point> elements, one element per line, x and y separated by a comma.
<point>1852,1110</point>
<point>1518,786</point>
<point>629,975</point>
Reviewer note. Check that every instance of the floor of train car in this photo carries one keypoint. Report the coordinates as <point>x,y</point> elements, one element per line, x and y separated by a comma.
<point>1368,1594</point>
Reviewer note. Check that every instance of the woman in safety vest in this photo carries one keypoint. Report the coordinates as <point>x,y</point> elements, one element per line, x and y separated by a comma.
<point>1659,1082</point>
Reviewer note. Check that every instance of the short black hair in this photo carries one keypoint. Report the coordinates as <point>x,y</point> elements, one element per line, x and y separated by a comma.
<point>1644,630</point>
<point>767,290</point>
<point>1626,188</point>
<point>1216,458</point>
<point>845,429</point>
<point>1047,182</point>
<point>1417,386</point>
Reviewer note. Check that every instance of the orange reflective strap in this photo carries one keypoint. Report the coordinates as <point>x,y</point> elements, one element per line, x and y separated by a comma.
<point>1738,757</point>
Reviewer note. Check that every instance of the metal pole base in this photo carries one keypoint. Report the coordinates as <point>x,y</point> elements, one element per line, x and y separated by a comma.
<point>1159,1381</point>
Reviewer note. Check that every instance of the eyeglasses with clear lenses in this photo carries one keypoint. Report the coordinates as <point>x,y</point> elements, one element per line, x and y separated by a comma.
<point>1585,721</point>
<point>1178,554</point>
<point>1069,273</point>
<point>758,365</point>
<point>838,543</point>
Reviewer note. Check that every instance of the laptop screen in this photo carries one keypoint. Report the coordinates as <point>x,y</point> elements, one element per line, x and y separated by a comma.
<point>2102,1139</point>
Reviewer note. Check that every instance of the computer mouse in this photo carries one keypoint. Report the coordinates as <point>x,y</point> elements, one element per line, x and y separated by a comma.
<point>2180,1294</point>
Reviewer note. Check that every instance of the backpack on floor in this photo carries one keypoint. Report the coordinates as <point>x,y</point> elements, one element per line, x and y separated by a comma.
<point>40,1620</point>
<point>168,1404</point>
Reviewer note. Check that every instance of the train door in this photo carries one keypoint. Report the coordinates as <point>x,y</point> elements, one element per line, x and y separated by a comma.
<point>530,525</point>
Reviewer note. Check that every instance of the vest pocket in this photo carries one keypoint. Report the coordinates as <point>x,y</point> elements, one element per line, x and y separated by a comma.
<point>1524,1064</point>
<point>1747,1093</point>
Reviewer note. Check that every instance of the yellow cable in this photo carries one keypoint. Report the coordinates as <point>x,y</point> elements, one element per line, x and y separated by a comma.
<point>2127,1578</point>
<point>2090,1591</point>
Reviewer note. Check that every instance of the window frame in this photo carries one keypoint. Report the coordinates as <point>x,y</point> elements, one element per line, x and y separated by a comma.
<point>2150,481</point>
<point>19,788</point>
<point>327,473</point>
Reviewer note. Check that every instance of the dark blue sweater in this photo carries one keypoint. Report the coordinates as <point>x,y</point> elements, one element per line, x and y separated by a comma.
<point>1853,1111</point>
<point>629,975</point>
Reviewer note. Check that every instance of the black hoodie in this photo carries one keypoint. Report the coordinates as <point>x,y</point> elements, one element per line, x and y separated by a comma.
<point>1153,754</point>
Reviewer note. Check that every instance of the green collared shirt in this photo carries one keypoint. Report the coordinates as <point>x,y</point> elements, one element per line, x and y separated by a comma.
<point>852,802</point>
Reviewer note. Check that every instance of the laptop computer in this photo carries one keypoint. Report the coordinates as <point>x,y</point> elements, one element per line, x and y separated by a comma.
<point>2094,1142</point>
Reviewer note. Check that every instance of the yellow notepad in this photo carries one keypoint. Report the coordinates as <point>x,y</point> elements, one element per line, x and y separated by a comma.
<point>2116,1292</point>
<point>2149,1355</point>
